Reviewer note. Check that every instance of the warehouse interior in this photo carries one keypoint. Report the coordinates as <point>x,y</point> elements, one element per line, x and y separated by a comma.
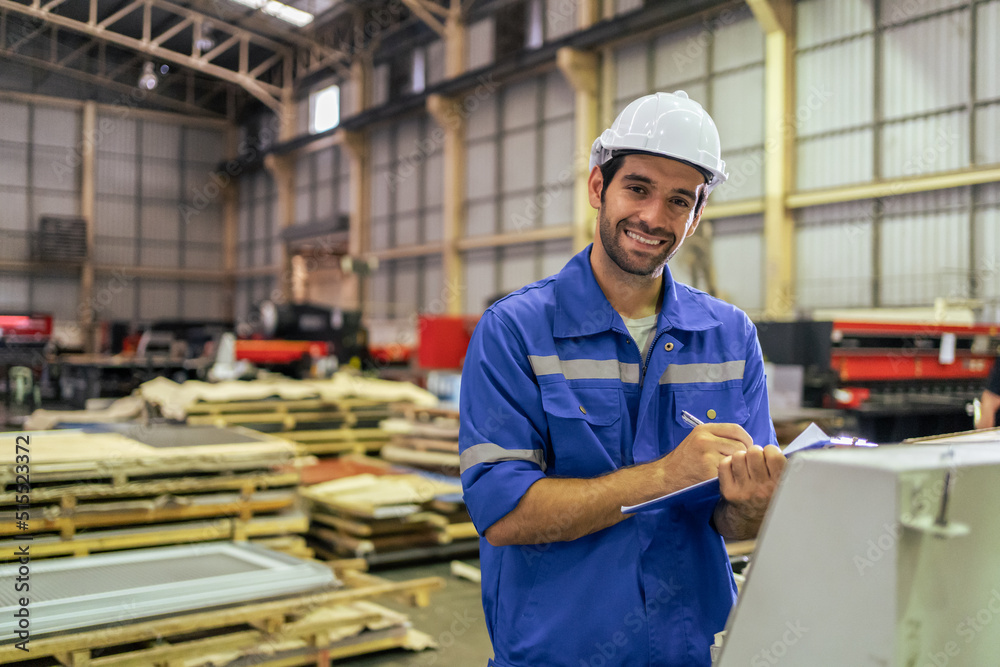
<point>244,245</point>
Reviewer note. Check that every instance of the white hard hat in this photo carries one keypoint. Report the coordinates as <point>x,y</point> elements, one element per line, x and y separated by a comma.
<point>667,124</point>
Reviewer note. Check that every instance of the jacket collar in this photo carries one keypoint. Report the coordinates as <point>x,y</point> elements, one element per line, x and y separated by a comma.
<point>582,308</point>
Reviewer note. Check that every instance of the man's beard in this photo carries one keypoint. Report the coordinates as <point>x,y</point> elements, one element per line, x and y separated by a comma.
<point>627,262</point>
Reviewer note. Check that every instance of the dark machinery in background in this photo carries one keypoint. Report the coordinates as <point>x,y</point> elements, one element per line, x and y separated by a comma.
<point>896,380</point>
<point>290,337</point>
<point>24,364</point>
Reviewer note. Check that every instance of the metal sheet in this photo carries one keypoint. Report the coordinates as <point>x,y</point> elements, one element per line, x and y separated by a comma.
<point>681,56</point>
<point>833,160</point>
<point>519,103</point>
<point>738,108</point>
<point>738,40</point>
<point>517,266</point>
<point>738,258</point>
<point>519,160</point>
<point>835,87</point>
<point>988,134</point>
<point>479,279</point>
<point>630,72</point>
<point>72,593</point>
<point>823,21</point>
<point>479,43</point>
<point>158,299</point>
<point>926,65</point>
<point>555,254</point>
<point>988,50</point>
<point>926,145</point>
<point>480,169</point>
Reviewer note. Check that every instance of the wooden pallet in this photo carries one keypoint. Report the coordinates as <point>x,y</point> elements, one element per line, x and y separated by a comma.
<point>136,487</point>
<point>82,544</point>
<point>320,442</point>
<point>61,456</point>
<point>304,629</point>
<point>67,520</point>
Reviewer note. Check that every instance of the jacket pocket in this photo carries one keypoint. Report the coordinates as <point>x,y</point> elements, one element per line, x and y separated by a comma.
<point>584,428</point>
<point>712,406</point>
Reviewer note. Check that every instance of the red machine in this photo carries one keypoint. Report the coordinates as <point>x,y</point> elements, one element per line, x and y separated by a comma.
<point>897,379</point>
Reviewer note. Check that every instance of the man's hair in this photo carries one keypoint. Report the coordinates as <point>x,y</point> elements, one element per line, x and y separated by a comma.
<point>612,166</point>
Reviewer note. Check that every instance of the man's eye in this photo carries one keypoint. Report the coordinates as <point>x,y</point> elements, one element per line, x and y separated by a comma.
<point>638,189</point>
<point>681,202</point>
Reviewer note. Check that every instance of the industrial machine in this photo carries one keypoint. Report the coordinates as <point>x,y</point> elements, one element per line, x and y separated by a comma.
<point>896,380</point>
<point>24,365</point>
<point>876,557</point>
<point>293,336</point>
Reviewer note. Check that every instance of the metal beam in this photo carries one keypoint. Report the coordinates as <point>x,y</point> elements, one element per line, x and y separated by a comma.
<point>448,113</point>
<point>942,181</point>
<point>580,68</point>
<point>776,18</point>
<point>152,44</point>
<point>125,89</point>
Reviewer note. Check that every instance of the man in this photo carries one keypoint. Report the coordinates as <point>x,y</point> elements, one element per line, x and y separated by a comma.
<point>571,405</point>
<point>989,403</point>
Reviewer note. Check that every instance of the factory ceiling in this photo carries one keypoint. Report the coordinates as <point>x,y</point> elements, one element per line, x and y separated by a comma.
<point>204,57</point>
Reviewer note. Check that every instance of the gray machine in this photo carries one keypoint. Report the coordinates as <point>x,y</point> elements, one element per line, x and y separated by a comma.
<point>886,557</point>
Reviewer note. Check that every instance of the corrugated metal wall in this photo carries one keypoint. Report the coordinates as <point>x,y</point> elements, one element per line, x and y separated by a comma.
<point>911,92</point>
<point>258,242</point>
<point>156,206</point>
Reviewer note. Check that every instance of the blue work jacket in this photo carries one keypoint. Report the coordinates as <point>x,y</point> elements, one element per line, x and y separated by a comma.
<point>554,385</point>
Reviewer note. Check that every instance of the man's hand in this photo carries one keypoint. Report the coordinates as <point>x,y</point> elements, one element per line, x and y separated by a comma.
<point>747,481</point>
<point>699,456</point>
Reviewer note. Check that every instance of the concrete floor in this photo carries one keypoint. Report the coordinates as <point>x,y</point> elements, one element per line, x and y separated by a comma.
<point>454,619</point>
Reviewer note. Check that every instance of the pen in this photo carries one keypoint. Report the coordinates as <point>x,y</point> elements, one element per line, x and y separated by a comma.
<point>690,419</point>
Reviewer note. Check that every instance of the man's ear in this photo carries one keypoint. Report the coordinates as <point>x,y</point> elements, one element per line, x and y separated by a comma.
<point>693,225</point>
<point>595,183</point>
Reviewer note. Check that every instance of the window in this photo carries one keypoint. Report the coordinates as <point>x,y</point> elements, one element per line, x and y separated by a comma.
<point>325,109</point>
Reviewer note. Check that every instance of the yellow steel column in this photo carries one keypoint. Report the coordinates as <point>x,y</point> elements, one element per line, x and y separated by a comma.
<point>86,313</point>
<point>580,69</point>
<point>454,42</point>
<point>282,168</point>
<point>449,115</point>
<point>230,225</point>
<point>777,19</point>
<point>360,215</point>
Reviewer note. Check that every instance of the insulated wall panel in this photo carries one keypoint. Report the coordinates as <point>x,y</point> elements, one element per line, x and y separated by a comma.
<point>926,145</point>
<point>681,56</point>
<point>554,255</point>
<point>738,108</point>
<point>434,295</point>
<point>379,290</point>
<point>834,247</point>
<point>518,267</point>
<point>58,295</point>
<point>406,288</point>
<point>926,65</point>
<point>738,260</point>
<point>924,249</point>
<point>479,43</point>
<point>560,18</point>
<point>820,21</point>
<point>988,134</point>
<point>158,299</point>
<point>987,24</point>
<point>480,279</point>
<point>738,40</point>
<point>835,87</point>
<point>14,292</point>
<point>831,160</point>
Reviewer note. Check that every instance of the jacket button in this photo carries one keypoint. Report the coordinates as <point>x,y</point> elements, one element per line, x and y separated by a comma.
<point>583,410</point>
<point>710,414</point>
<point>668,347</point>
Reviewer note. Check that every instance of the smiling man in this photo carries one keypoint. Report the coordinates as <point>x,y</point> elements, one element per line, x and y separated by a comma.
<point>571,406</point>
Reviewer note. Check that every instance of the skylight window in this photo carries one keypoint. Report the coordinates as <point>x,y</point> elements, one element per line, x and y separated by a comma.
<point>325,106</point>
<point>279,10</point>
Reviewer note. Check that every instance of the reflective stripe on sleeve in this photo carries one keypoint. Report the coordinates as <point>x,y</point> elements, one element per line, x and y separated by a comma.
<point>688,373</point>
<point>488,452</point>
<point>584,369</point>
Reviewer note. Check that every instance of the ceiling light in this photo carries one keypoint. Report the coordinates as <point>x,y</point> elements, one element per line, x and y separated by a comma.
<point>205,41</point>
<point>279,10</point>
<point>148,80</point>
